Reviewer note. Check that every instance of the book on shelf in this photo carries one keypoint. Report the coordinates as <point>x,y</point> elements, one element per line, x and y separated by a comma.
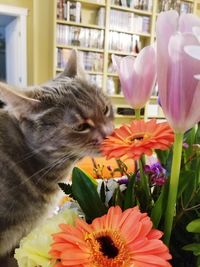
<point>101,17</point>
<point>112,68</point>
<point>79,36</point>
<point>135,4</point>
<point>141,4</point>
<point>96,80</point>
<point>178,5</point>
<point>110,86</point>
<point>92,61</point>
<point>69,10</point>
<point>124,3</point>
<point>128,21</point>
<point>129,43</point>
<point>72,11</point>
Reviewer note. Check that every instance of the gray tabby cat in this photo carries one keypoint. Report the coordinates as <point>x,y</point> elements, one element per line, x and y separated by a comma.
<point>43,132</point>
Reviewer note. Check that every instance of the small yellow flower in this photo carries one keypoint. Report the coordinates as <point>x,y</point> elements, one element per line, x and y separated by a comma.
<point>34,248</point>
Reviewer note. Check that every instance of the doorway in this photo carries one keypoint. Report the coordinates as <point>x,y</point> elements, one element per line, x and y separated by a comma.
<point>13,45</point>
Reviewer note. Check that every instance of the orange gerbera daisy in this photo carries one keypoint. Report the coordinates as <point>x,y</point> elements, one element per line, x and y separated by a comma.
<point>117,239</point>
<point>138,138</point>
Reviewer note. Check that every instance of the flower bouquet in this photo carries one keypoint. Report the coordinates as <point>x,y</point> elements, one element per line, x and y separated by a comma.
<point>149,218</point>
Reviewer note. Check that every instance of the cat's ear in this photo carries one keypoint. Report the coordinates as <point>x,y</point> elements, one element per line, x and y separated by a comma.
<point>18,103</point>
<point>74,66</point>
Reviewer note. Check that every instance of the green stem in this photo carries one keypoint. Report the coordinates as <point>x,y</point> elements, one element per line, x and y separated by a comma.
<point>173,186</point>
<point>144,179</point>
<point>137,113</point>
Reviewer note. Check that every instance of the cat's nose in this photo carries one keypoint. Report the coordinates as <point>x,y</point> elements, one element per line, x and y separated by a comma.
<point>102,133</point>
<point>107,130</point>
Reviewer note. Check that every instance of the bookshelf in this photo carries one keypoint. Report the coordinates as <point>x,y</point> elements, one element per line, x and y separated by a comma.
<point>100,28</point>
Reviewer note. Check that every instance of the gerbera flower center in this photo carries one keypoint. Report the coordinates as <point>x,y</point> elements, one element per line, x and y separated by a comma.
<point>134,138</point>
<point>107,249</point>
<point>107,246</point>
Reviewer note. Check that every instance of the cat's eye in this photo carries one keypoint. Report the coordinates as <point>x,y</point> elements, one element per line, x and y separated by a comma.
<point>82,127</point>
<point>106,111</point>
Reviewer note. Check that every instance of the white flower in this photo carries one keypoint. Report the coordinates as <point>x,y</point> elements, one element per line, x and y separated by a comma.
<point>34,248</point>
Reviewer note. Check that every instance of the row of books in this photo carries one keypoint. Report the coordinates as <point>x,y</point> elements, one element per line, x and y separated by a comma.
<point>112,86</point>
<point>96,80</point>
<point>180,6</point>
<point>127,21</point>
<point>124,42</point>
<point>136,4</point>
<point>79,36</point>
<point>72,11</point>
<point>92,61</point>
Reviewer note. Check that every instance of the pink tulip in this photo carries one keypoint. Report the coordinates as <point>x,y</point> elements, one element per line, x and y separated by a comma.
<point>137,76</point>
<point>179,91</point>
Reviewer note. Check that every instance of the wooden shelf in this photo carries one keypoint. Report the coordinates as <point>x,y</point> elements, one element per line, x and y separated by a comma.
<point>84,25</point>
<point>89,16</point>
<point>91,3</point>
<point>122,53</point>
<point>117,96</point>
<point>112,74</point>
<point>128,9</point>
<point>143,34</point>
<point>124,116</point>
<point>87,49</point>
<point>87,71</point>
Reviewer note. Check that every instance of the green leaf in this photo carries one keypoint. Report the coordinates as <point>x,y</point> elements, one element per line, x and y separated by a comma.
<point>194,247</point>
<point>66,188</point>
<point>102,192</point>
<point>191,188</point>
<point>159,207</point>
<point>129,198</point>
<point>85,192</point>
<point>184,180</point>
<point>189,138</point>
<point>197,137</point>
<point>162,155</point>
<point>118,198</point>
<point>194,226</point>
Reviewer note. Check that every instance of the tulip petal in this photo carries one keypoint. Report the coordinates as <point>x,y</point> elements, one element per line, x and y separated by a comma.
<point>197,76</point>
<point>196,31</point>
<point>181,86</point>
<point>166,26</point>
<point>187,22</point>
<point>137,78</point>
<point>127,76</point>
<point>193,51</point>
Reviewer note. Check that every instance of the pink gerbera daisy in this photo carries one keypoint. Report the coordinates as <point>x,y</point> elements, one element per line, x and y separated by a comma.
<point>117,239</point>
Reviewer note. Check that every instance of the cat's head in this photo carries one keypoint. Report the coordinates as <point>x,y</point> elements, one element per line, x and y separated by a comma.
<point>65,115</point>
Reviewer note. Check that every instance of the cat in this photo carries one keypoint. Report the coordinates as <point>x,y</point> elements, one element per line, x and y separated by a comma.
<point>44,130</point>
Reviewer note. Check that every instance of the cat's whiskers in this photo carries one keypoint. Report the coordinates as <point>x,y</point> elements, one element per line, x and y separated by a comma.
<point>51,167</point>
<point>48,168</point>
<point>29,155</point>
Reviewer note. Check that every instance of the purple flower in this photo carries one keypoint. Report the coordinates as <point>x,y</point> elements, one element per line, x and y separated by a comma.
<point>123,181</point>
<point>185,145</point>
<point>157,174</point>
